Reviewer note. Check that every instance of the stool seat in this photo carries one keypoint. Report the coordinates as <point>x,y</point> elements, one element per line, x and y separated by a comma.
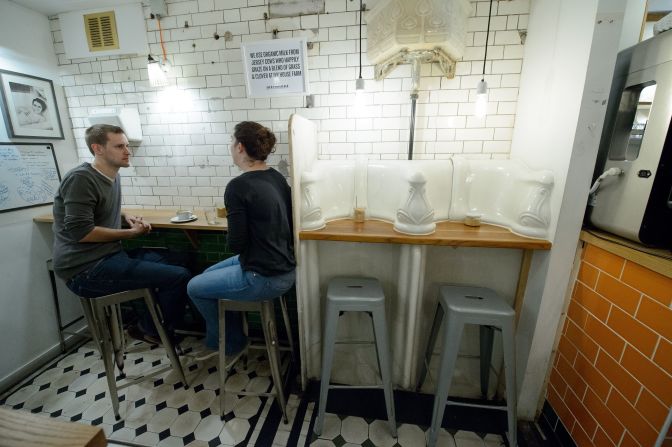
<point>475,302</point>
<point>355,294</point>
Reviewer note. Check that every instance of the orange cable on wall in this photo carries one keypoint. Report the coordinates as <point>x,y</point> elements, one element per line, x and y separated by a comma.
<point>163,48</point>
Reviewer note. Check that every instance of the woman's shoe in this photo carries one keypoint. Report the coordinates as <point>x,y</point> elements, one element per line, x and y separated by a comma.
<point>207,353</point>
<point>135,333</point>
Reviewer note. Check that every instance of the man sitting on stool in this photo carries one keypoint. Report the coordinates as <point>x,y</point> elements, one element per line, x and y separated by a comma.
<point>87,236</point>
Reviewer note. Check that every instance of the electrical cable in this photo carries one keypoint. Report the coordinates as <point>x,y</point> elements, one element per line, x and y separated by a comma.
<point>360,37</point>
<point>605,174</point>
<point>163,48</point>
<point>487,37</point>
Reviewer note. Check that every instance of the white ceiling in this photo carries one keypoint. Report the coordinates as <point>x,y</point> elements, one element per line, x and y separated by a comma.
<point>660,5</point>
<point>52,7</point>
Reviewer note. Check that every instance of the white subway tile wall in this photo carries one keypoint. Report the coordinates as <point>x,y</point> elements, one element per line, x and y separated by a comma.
<point>184,157</point>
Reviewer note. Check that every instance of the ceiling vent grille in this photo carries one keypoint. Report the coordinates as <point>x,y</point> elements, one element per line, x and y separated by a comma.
<point>101,31</point>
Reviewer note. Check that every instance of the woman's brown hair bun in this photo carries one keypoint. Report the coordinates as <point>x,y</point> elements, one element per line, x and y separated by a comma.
<point>259,141</point>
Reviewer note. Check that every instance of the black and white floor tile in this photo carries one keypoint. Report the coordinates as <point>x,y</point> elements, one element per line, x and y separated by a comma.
<point>161,412</point>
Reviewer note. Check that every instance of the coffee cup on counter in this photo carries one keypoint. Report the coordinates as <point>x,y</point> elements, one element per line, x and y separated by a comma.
<point>183,214</point>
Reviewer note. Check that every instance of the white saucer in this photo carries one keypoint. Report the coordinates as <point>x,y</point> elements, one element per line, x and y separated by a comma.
<point>178,220</point>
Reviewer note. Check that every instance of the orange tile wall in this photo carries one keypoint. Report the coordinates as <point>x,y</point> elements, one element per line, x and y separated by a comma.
<point>611,382</point>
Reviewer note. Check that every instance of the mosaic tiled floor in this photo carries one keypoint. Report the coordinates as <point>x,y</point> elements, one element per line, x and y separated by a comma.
<point>160,412</point>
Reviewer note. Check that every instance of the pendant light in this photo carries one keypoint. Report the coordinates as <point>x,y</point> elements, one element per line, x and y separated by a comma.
<point>157,77</point>
<point>156,69</point>
<point>359,85</point>
<point>481,105</point>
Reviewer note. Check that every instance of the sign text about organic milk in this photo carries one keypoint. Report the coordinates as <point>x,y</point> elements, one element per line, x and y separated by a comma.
<point>275,64</point>
<point>275,67</point>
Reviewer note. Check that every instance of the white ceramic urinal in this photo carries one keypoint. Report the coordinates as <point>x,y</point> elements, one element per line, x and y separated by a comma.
<point>416,216</point>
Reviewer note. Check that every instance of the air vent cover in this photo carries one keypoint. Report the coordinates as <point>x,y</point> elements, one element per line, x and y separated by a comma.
<point>101,31</point>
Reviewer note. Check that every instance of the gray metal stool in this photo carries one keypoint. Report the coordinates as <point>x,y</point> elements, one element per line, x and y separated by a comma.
<point>356,295</point>
<point>469,305</point>
<point>104,319</point>
<point>271,345</point>
<point>57,306</point>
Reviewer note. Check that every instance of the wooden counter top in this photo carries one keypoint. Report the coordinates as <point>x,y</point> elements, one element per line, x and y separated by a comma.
<point>20,429</point>
<point>446,234</point>
<point>161,219</point>
<point>656,259</point>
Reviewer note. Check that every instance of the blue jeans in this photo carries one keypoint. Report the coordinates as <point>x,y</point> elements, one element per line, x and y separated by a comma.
<point>227,280</point>
<point>157,269</point>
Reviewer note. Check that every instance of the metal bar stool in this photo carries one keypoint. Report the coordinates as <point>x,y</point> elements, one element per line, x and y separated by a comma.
<point>469,305</point>
<point>104,319</point>
<point>57,306</point>
<point>356,295</point>
<point>271,345</point>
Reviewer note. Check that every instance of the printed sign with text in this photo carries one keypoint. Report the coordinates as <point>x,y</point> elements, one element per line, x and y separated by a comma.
<point>275,67</point>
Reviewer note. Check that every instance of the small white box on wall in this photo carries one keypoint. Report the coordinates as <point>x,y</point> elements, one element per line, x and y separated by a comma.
<point>114,30</point>
<point>126,118</point>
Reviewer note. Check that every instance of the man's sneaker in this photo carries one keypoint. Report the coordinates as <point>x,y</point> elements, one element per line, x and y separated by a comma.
<point>135,333</point>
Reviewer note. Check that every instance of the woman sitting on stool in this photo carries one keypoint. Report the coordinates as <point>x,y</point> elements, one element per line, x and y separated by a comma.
<point>260,231</point>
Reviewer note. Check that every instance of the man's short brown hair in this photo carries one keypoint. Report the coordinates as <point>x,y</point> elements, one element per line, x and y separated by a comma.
<point>97,134</point>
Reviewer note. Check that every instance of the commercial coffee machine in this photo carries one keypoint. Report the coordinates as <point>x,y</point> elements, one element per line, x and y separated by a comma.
<point>632,190</point>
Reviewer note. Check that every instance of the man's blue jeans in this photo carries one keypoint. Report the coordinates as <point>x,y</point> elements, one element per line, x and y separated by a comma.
<point>157,269</point>
<point>227,280</point>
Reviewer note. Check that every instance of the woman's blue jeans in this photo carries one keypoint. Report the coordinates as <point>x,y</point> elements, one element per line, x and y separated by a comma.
<point>157,269</point>
<point>227,280</point>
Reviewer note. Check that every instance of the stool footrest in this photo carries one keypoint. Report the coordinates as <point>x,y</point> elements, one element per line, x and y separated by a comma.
<point>257,343</point>
<point>251,393</point>
<point>357,387</point>
<point>467,404</point>
<point>138,379</point>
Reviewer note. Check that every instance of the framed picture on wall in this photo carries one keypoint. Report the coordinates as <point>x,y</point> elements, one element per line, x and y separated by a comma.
<point>29,106</point>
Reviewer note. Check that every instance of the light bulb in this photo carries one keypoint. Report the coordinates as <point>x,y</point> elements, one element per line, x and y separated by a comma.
<point>157,76</point>
<point>359,96</point>
<point>481,104</point>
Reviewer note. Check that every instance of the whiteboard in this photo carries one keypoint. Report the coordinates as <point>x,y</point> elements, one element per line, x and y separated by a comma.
<point>29,175</point>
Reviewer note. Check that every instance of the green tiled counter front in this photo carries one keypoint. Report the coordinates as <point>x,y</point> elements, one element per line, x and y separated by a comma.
<point>212,245</point>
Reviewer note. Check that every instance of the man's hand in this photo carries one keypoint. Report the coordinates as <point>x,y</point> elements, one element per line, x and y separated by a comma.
<point>137,227</point>
<point>133,221</point>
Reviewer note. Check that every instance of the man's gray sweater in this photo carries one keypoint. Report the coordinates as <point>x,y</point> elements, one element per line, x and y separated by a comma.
<point>85,199</point>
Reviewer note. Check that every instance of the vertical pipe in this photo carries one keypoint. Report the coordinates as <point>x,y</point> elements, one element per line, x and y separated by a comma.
<point>415,76</point>
<point>414,98</point>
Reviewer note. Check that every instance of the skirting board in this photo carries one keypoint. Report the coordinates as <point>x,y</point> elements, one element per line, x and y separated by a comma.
<point>33,366</point>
